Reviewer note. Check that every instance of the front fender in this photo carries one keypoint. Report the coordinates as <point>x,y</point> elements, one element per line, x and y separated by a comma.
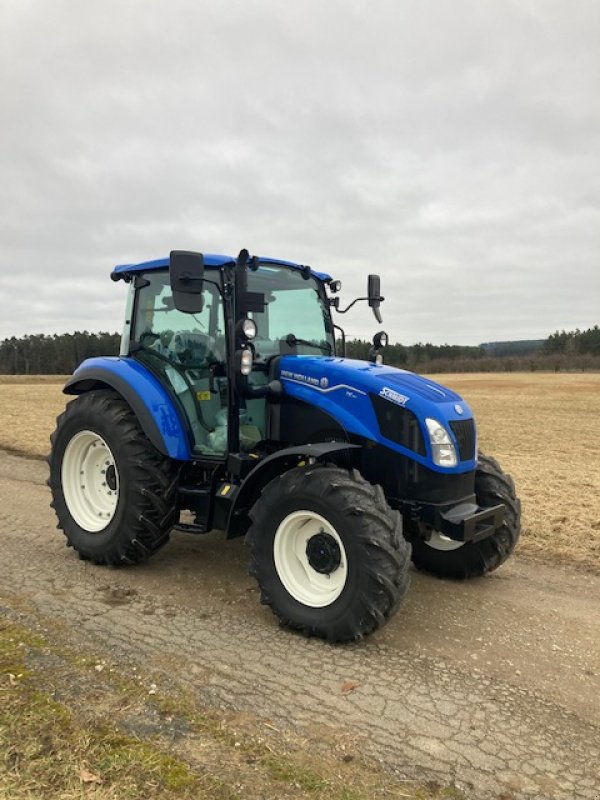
<point>270,467</point>
<point>148,398</point>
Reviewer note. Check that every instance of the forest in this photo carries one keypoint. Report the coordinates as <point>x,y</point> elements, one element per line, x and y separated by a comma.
<point>60,354</point>
<point>561,351</point>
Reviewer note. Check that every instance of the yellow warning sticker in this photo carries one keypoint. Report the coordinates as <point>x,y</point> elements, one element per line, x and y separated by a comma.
<point>225,489</point>
<point>203,395</point>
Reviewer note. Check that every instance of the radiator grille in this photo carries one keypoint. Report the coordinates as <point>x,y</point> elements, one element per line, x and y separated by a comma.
<point>464,430</point>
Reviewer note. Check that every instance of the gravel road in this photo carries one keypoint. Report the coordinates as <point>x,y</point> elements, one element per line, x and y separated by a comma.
<point>493,685</point>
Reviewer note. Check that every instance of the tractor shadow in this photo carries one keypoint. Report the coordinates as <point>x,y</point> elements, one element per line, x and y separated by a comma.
<point>208,571</point>
<point>198,571</point>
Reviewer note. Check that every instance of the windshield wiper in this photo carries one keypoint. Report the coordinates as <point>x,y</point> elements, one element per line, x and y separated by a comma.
<point>292,340</point>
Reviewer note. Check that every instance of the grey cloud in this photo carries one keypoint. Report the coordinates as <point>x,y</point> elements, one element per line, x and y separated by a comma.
<point>453,147</point>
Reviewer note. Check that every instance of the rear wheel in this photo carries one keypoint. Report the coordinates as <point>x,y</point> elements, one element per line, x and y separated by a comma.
<point>328,553</point>
<point>114,494</point>
<point>448,558</point>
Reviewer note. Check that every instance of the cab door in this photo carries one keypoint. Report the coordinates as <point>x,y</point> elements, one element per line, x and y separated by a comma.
<point>187,353</point>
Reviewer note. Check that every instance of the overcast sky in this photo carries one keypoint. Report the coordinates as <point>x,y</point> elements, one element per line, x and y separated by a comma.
<point>452,147</point>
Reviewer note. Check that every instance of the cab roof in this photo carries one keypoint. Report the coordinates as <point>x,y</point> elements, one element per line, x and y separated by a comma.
<point>211,261</point>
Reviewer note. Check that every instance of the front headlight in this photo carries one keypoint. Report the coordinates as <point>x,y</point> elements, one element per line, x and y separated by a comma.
<point>442,449</point>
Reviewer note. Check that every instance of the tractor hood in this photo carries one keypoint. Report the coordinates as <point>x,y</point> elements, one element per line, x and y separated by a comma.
<point>348,390</point>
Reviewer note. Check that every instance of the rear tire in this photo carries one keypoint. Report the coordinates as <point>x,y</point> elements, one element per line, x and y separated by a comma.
<point>113,493</point>
<point>328,553</point>
<point>449,559</point>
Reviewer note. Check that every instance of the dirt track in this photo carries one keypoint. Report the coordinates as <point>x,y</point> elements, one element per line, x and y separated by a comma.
<point>494,684</point>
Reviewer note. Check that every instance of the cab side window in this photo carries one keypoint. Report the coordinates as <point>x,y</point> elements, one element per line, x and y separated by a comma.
<point>187,351</point>
<point>192,340</point>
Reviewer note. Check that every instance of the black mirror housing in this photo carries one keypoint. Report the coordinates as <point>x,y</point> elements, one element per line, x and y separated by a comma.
<point>374,295</point>
<point>380,340</point>
<point>186,274</point>
<point>374,290</point>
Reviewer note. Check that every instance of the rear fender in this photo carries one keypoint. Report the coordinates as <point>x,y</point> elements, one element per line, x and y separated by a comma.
<point>341,453</point>
<point>148,398</point>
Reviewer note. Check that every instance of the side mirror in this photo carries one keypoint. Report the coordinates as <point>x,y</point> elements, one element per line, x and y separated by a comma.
<point>380,340</point>
<point>374,295</point>
<point>186,274</point>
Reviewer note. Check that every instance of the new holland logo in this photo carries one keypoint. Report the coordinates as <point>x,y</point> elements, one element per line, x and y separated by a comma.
<point>395,397</point>
<point>324,383</point>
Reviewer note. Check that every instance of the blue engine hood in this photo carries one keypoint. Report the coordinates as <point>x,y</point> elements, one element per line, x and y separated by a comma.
<point>341,387</point>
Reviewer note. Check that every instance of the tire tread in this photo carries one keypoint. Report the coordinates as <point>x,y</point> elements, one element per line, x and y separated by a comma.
<point>385,551</point>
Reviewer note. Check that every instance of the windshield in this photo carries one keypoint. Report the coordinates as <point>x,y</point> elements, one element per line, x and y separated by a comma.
<point>296,318</point>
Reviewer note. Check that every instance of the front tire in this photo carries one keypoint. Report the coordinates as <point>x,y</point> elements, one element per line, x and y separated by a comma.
<point>328,553</point>
<point>447,558</point>
<point>113,493</point>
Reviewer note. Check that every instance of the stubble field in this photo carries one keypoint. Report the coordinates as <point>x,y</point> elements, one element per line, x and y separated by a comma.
<point>543,428</point>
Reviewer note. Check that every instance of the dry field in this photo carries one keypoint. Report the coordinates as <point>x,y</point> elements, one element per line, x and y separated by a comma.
<point>543,428</point>
<point>29,405</point>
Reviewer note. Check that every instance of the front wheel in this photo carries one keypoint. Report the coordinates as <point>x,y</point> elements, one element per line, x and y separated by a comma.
<point>328,553</point>
<point>448,558</point>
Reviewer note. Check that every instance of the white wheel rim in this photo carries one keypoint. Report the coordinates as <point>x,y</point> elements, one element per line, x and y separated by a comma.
<point>90,481</point>
<point>305,583</point>
<point>440,542</point>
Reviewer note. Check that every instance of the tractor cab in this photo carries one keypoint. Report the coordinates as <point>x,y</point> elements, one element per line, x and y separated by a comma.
<point>281,310</point>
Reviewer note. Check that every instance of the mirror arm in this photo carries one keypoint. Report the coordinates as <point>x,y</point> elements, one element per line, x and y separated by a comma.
<point>343,310</point>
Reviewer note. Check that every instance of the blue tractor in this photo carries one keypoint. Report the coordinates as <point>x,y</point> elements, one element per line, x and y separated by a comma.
<point>232,401</point>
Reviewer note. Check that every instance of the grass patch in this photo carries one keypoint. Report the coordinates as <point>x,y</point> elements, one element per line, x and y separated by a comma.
<point>65,733</point>
<point>48,751</point>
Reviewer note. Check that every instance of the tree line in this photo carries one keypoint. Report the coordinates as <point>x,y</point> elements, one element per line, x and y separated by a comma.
<point>561,351</point>
<point>574,342</point>
<point>60,354</point>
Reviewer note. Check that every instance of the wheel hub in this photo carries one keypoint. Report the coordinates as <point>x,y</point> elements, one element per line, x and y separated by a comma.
<point>310,558</point>
<point>323,553</point>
